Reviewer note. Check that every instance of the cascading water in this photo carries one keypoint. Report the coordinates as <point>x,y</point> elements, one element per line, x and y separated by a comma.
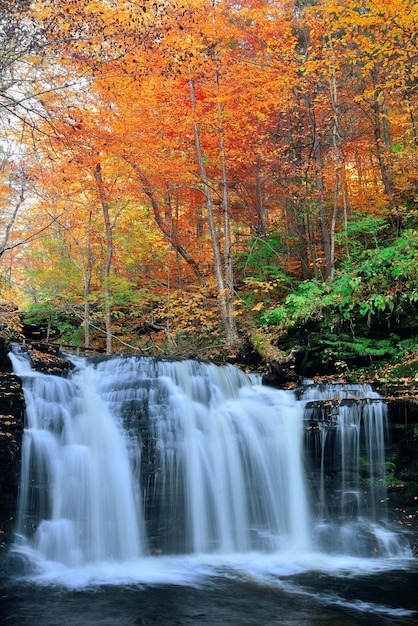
<point>133,457</point>
<point>347,433</point>
<point>77,494</point>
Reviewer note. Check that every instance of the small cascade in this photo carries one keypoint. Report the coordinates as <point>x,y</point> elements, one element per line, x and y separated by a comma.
<point>129,457</point>
<point>346,435</point>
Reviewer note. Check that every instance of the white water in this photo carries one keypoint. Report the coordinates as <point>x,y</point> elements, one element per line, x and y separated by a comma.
<point>353,448</point>
<point>136,457</point>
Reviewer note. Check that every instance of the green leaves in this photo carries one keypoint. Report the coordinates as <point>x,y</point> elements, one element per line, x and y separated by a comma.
<point>298,306</point>
<point>352,313</point>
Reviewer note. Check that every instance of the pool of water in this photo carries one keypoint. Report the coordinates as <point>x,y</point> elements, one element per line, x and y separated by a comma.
<point>258,590</point>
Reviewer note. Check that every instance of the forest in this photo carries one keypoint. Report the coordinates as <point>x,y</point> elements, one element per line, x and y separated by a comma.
<point>213,178</point>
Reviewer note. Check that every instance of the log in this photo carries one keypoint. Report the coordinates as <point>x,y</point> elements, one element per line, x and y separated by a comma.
<point>279,367</point>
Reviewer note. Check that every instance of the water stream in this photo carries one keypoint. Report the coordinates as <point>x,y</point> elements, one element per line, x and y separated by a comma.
<point>142,472</point>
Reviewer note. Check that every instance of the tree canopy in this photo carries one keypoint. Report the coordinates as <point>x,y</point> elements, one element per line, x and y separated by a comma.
<point>174,173</point>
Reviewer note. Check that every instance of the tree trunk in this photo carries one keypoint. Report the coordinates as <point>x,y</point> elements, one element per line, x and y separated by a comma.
<point>303,247</point>
<point>167,232</point>
<point>320,195</point>
<point>336,138</point>
<point>12,216</point>
<point>87,275</point>
<point>323,217</point>
<point>226,315</point>
<point>281,366</point>
<point>231,330</point>
<point>261,210</point>
<point>109,254</point>
<point>381,151</point>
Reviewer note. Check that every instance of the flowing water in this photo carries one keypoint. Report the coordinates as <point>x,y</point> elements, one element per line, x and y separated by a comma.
<point>180,492</point>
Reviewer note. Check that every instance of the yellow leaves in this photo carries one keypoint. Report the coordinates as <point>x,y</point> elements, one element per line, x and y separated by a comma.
<point>361,32</point>
<point>187,312</point>
<point>262,286</point>
<point>10,323</point>
<point>258,306</point>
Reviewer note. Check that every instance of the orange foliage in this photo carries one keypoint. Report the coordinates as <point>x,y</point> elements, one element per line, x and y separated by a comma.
<point>303,115</point>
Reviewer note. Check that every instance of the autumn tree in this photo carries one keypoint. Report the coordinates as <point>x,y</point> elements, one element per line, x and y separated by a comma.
<point>215,130</point>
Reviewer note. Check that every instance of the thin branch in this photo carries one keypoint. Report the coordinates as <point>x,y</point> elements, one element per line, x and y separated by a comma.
<point>30,237</point>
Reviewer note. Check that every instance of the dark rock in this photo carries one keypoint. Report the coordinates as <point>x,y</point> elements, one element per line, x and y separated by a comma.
<point>5,364</point>
<point>47,358</point>
<point>12,408</point>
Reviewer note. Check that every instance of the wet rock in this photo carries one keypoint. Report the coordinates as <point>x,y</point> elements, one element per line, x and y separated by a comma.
<point>12,408</point>
<point>47,358</point>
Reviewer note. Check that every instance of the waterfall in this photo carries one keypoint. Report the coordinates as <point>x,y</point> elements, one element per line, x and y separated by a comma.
<point>77,494</point>
<point>348,434</point>
<point>131,457</point>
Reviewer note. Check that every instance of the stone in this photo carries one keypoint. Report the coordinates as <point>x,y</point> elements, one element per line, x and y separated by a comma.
<point>12,407</point>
